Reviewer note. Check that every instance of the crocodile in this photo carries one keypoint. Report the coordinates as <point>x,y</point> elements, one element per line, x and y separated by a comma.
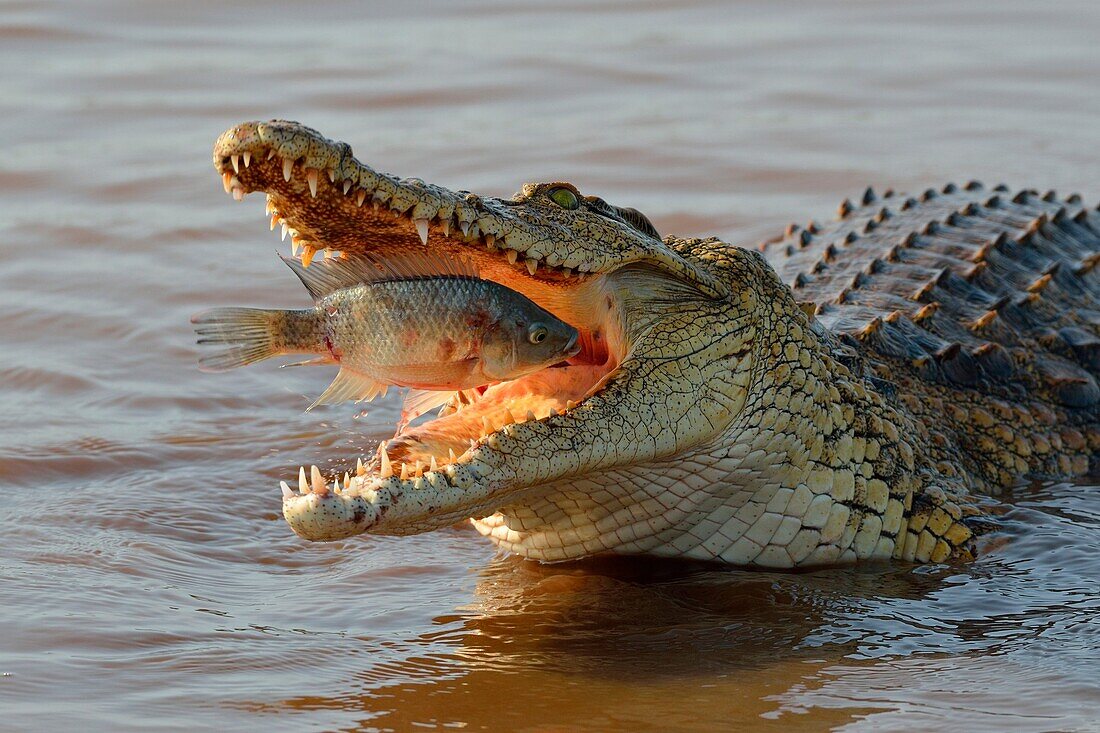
<point>848,391</point>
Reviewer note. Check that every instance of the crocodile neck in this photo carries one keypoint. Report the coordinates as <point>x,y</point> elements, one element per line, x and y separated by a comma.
<point>820,467</point>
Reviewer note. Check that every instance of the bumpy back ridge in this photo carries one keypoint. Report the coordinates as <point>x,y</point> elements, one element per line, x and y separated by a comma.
<point>962,282</point>
<point>987,297</point>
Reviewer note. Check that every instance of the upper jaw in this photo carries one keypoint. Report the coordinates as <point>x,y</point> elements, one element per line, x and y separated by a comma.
<point>328,200</point>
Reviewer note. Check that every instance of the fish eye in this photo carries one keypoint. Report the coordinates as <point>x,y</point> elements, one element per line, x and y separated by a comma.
<point>537,334</point>
<point>565,198</point>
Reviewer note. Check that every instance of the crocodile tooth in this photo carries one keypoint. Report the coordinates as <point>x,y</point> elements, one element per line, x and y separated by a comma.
<point>512,256</point>
<point>274,220</point>
<point>567,271</point>
<point>553,412</point>
<point>347,186</point>
<point>570,404</point>
<point>247,159</point>
<point>238,194</point>
<point>486,426</point>
<point>531,415</point>
<point>509,418</point>
<point>307,254</point>
<point>451,455</point>
<point>422,229</point>
<point>311,178</point>
<point>236,161</point>
<point>465,227</point>
<point>386,467</point>
<point>418,469</point>
<point>295,245</point>
<point>434,466</point>
<point>331,175</point>
<point>288,166</point>
<point>271,153</point>
<point>532,265</point>
<point>287,493</point>
<point>490,242</point>
<point>360,197</point>
<point>445,225</point>
<point>303,485</point>
<point>269,206</point>
<point>286,228</point>
<point>404,471</point>
<point>360,469</point>
<point>227,179</point>
<point>316,480</point>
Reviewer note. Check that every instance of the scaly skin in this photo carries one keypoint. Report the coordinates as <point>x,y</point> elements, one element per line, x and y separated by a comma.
<point>922,351</point>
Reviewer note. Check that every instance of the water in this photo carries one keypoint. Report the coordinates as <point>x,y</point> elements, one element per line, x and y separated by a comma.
<point>146,579</point>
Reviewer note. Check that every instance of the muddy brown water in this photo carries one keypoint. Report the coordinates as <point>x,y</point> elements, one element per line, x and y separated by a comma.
<point>147,582</point>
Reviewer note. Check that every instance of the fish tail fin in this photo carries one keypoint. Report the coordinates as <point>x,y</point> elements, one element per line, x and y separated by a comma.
<point>251,335</point>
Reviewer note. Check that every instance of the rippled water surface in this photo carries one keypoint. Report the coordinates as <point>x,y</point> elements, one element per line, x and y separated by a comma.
<point>146,579</point>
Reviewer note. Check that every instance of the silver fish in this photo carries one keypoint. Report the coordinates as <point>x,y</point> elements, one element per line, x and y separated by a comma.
<point>413,320</point>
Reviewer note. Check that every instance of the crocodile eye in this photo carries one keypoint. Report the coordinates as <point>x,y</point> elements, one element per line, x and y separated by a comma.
<point>565,198</point>
<point>537,334</point>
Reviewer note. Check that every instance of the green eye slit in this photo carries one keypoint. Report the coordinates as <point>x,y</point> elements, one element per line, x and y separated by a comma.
<point>565,198</point>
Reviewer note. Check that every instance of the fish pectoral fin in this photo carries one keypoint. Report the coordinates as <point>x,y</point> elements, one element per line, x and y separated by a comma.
<point>419,401</point>
<point>350,385</point>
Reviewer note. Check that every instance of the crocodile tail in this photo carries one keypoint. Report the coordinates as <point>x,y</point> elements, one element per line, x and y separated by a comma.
<point>251,334</point>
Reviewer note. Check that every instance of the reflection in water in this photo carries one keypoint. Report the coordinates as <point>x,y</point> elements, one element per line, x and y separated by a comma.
<point>146,579</point>
<point>633,644</point>
<point>624,644</point>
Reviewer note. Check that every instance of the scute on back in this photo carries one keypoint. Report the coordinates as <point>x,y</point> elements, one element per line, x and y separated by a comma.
<point>991,294</point>
<point>954,274</point>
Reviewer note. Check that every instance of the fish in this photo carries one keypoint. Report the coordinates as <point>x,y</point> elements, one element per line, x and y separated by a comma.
<point>417,320</point>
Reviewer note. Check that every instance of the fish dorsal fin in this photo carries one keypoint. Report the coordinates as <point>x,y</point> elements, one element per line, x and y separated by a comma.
<point>350,385</point>
<point>413,264</point>
<point>327,276</point>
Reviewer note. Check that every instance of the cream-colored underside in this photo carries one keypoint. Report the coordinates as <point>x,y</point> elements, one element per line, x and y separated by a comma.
<point>742,504</point>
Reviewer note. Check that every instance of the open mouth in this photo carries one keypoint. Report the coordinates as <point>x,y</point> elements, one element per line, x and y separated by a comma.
<point>331,205</point>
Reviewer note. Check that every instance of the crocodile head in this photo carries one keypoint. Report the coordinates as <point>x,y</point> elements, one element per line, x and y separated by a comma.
<point>670,331</point>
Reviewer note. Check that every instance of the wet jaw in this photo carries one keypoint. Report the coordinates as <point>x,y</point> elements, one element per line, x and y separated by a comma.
<point>328,202</point>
